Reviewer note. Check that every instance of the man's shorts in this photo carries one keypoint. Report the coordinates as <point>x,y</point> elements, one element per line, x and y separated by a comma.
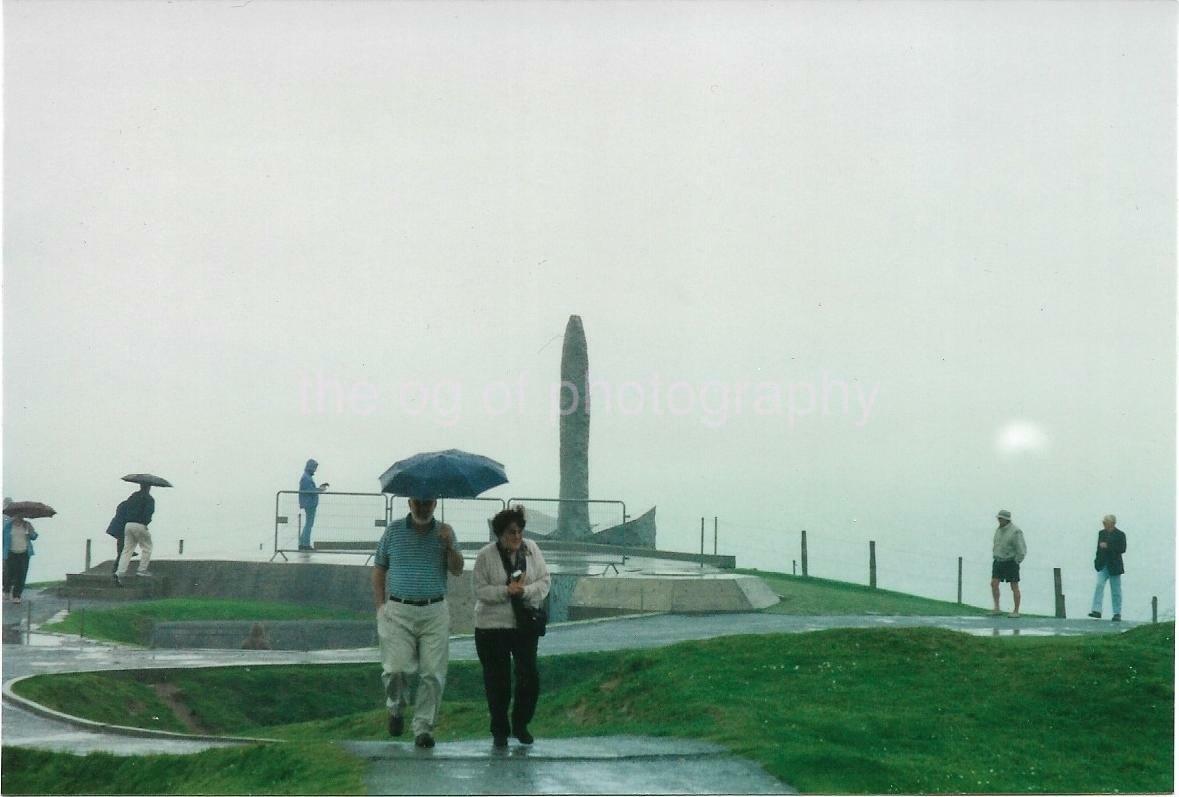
<point>1005,570</point>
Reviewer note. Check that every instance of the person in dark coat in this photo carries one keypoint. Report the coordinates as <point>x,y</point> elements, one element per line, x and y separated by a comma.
<point>138,510</point>
<point>1111,544</point>
<point>115,529</point>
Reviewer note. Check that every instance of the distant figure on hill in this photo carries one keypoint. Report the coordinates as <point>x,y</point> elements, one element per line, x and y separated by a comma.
<point>1008,551</point>
<point>1111,544</point>
<point>309,502</point>
<point>257,640</point>
<point>137,513</point>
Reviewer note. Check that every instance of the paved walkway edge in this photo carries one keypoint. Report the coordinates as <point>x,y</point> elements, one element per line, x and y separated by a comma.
<point>33,707</point>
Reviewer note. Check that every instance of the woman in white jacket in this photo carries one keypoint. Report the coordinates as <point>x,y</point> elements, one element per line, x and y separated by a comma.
<point>509,569</point>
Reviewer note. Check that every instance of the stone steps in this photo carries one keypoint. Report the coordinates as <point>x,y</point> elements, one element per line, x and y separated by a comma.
<point>102,585</point>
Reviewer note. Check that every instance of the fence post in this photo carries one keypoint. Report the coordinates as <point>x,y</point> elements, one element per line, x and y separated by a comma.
<point>794,567</point>
<point>87,567</point>
<point>872,563</point>
<point>1154,608</point>
<point>1058,592</point>
<point>182,547</point>
<point>959,580</point>
<point>701,541</point>
<point>804,573</point>
<point>714,526</point>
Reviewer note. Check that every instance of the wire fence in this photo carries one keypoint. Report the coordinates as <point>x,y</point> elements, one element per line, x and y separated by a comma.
<point>339,517</point>
<point>542,513</point>
<point>931,571</point>
<point>469,517</point>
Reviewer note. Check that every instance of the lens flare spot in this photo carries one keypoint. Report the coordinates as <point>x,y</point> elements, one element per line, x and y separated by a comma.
<point>1021,437</point>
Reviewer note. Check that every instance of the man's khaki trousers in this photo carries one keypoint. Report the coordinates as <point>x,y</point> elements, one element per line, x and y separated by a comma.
<point>415,641</point>
<point>135,534</point>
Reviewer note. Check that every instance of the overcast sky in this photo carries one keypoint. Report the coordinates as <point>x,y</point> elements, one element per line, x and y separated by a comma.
<point>240,234</point>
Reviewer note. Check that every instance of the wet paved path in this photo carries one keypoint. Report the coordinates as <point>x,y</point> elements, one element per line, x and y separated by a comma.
<point>581,766</point>
<point>585,765</point>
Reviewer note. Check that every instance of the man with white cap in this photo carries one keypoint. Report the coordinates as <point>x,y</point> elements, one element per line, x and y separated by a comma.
<point>1008,551</point>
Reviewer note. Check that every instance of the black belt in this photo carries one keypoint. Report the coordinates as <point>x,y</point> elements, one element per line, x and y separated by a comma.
<point>414,602</point>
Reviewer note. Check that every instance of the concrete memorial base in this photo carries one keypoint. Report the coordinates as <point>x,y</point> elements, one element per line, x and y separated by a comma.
<point>676,592</point>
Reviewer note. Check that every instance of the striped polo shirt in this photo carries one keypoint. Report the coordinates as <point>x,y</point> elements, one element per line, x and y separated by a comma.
<point>416,568</point>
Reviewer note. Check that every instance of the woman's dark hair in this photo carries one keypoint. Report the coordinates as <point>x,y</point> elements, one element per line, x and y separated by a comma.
<point>499,523</point>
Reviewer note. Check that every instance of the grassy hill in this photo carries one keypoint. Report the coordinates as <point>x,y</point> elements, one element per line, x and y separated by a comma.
<point>132,623</point>
<point>842,711</point>
<point>822,596</point>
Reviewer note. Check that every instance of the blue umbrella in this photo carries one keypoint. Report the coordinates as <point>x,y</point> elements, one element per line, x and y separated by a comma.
<point>443,474</point>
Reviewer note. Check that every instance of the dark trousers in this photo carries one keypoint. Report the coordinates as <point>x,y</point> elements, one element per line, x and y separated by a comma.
<point>119,553</point>
<point>16,568</point>
<point>497,647</point>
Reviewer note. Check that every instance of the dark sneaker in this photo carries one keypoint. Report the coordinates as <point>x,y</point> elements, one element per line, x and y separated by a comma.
<point>1117,618</point>
<point>1095,615</point>
<point>524,736</point>
<point>423,740</point>
<point>499,741</point>
<point>396,725</point>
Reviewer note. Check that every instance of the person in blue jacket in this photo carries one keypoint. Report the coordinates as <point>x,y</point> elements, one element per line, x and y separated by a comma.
<point>18,549</point>
<point>309,502</point>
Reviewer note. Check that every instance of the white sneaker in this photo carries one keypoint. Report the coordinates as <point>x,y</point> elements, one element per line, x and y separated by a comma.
<point>145,573</point>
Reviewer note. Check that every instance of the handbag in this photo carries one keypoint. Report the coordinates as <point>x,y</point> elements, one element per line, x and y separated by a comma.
<point>528,620</point>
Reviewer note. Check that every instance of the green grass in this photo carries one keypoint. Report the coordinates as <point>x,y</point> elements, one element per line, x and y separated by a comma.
<point>818,596</point>
<point>132,624</point>
<point>841,711</point>
<point>257,769</point>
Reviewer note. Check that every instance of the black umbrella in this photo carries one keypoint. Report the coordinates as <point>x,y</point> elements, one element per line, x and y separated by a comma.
<point>29,509</point>
<point>147,478</point>
<point>443,474</point>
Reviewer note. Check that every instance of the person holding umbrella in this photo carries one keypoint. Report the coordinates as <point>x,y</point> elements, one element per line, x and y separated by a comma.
<point>138,510</point>
<point>18,543</point>
<point>409,581</point>
<point>413,618</point>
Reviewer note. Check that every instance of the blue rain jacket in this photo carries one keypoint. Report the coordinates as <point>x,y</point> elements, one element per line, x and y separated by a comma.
<point>308,492</point>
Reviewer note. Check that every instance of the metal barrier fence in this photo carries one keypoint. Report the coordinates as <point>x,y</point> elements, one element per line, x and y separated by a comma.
<point>339,517</point>
<point>545,523</point>
<point>470,517</point>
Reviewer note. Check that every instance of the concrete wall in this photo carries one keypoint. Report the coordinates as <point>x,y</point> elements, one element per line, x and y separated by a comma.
<point>607,596</point>
<point>346,586</point>
<point>282,634</point>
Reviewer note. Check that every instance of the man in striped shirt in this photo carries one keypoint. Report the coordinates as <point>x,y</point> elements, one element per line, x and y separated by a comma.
<point>413,619</point>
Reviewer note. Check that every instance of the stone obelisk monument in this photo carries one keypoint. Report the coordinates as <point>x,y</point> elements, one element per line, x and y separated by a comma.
<point>573,516</point>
